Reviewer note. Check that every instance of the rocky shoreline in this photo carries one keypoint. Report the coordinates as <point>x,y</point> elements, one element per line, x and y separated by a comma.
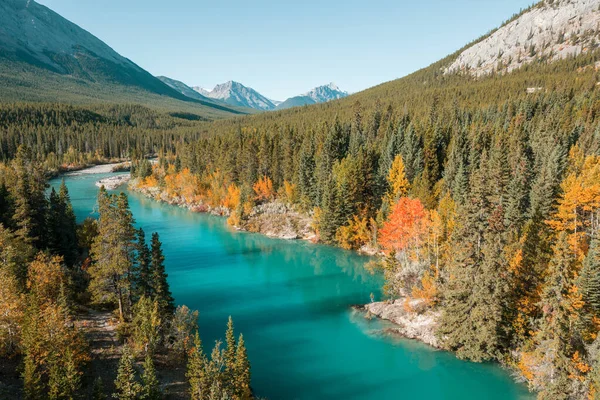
<point>273,219</point>
<point>113,182</point>
<point>410,317</point>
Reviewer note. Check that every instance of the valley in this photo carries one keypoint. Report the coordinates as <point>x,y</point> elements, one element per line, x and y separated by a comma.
<point>434,236</point>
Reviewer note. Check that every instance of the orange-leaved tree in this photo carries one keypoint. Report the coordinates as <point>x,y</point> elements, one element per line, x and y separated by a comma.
<point>264,189</point>
<point>406,226</point>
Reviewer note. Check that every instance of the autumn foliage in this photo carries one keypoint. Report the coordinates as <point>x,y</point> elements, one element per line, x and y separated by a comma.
<point>406,226</point>
<point>264,189</point>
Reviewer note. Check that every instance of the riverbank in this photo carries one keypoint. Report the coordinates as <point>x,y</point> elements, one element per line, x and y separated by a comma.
<point>274,219</point>
<point>410,316</point>
<point>99,169</point>
<point>113,182</point>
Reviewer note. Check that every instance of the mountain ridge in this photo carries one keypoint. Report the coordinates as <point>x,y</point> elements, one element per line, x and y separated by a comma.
<point>550,30</point>
<point>41,53</point>
<point>320,94</point>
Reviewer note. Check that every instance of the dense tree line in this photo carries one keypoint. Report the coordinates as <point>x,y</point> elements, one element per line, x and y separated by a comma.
<point>61,136</point>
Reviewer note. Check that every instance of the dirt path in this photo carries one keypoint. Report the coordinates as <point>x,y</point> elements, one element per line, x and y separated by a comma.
<point>100,329</point>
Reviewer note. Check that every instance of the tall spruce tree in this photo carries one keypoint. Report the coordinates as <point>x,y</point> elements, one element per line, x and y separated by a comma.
<point>150,385</point>
<point>143,281</point>
<point>242,371</point>
<point>160,286</point>
<point>589,279</point>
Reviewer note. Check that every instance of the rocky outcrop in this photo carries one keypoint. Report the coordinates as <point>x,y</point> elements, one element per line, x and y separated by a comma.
<point>276,219</point>
<point>552,29</point>
<point>412,319</point>
<point>113,182</point>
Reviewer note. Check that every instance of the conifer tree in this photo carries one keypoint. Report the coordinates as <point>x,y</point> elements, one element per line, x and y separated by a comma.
<point>242,371</point>
<point>147,325</point>
<point>306,173</point>
<point>331,216</point>
<point>61,225</point>
<point>68,230</point>
<point>143,281</point>
<point>229,353</point>
<point>160,286</point>
<point>98,390</point>
<point>467,325</point>
<point>113,253</point>
<point>589,279</point>
<point>196,371</point>
<point>126,383</point>
<point>150,385</point>
<point>558,323</point>
<point>32,379</point>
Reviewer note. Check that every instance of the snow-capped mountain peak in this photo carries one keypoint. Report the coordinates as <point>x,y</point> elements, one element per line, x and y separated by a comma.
<point>236,94</point>
<point>326,93</point>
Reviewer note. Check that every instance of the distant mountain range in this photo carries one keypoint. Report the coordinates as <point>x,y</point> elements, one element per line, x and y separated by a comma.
<point>44,57</point>
<point>321,94</point>
<point>235,94</point>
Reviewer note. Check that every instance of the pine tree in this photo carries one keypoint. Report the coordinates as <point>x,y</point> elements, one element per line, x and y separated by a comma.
<point>412,153</point>
<point>229,353</point>
<point>64,377</point>
<point>6,206</point>
<point>196,371</point>
<point>306,173</point>
<point>242,371</point>
<point>32,379</point>
<point>98,390</point>
<point>471,314</point>
<point>147,325</point>
<point>160,286</point>
<point>68,227</point>
<point>61,226</point>
<point>150,386</point>
<point>331,216</point>
<point>589,280</point>
<point>126,384</point>
<point>113,253</point>
<point>558,326</point>
<point>144,259</point>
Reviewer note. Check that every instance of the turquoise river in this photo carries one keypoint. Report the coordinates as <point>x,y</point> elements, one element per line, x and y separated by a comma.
<point>292,301</point>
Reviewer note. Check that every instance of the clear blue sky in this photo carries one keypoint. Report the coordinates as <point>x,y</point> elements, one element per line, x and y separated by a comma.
<point>284,48</point>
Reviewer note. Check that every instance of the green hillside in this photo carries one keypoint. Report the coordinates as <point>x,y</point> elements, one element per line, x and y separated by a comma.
<point>46,58</point>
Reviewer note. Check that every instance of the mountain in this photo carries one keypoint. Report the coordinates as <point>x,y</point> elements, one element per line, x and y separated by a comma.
<point>321,94</point>
<point>201,90</point>
<point>44,57</point>
<point>183,88</point>
<point>548,30</point>
<point>236,94</point>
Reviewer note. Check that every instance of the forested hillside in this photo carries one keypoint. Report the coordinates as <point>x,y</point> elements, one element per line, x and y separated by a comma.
<point>44,57</point>
<point>482,195</point>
